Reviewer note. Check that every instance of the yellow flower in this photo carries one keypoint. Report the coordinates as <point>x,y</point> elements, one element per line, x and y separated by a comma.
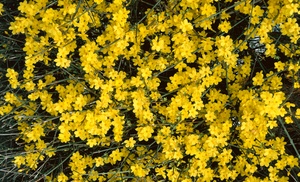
<point>1,8</point>
<point>121,16</point>
<point>225,26</point>
<point>62,62</point>
<point>99,161</point>
<point>62,178</point>
<point>80,102</point>
<point>36,132</point>
<point>166,130</point>
<point>92,142</point>
<point>297,114</point>
<point>145,72</point>
<point>207,10</point>
<point>192,139</point>
<point>288,120</point>
<point>32,159</point>
<point>98,1</point>
<point>186,26</point>
<point>29,85</point>
<point>64,137</point>
<point>93,175</point>
<point>19,160</point>
<point>279,66</point>
<point>144,133</point>
<point>172,174</point>
<point>41,85</point>
<point>115,156</point>
<point>290,27</point>
<point>10,98</point>
<point>40,145</point>
<point>206,24</point>
<point>291,161</point>
<point>49,79</point>
<point>30,9</point>
<point>130,142</point>
<point>158,45</point>
<point>161,171</point>
<point>271,50</point>
<point>138,170</point>
<point>272,124</point>
<point>210,116</point>
<point>12,76</point>
<point>207,44</point>
<point>225,16</point>
<point>258,79</point>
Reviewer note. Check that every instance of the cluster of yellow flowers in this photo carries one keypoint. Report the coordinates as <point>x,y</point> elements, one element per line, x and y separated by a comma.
<point>167,115</point>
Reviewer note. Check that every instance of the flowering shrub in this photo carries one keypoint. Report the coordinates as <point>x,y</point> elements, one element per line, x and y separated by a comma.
<point>172,91</point>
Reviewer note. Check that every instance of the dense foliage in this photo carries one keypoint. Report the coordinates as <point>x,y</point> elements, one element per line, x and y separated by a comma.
<point>165,90</point>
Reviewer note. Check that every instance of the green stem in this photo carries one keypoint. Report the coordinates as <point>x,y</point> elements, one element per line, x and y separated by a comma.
<point>289,137</point>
